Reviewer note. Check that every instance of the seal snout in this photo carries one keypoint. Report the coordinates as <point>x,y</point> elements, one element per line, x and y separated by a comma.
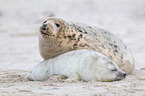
<point>121,76</point>
<point>44,27</point>
<point>124,74</point>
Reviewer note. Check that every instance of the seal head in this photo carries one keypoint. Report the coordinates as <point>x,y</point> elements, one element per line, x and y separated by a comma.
<point>51,27</point>
<point>51,31</point>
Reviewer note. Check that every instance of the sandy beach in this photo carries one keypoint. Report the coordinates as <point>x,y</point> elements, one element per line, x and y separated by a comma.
<point>19,26</point>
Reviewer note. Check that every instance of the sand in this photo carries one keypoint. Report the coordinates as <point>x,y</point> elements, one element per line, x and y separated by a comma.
<point>19,26</point>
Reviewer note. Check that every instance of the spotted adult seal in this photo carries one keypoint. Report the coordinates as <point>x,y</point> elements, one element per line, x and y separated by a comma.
<point>77,65</point>
<point>58,36</point>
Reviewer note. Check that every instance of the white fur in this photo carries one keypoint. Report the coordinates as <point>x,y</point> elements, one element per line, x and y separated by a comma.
<point>78,65</point>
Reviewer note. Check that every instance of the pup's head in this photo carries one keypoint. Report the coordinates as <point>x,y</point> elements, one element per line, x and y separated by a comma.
<point>107,70</point>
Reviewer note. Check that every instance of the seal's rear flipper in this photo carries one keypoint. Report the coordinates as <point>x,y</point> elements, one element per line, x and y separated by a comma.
<point>39,72</point>
<point>73,78</point>
<point>29,76</point>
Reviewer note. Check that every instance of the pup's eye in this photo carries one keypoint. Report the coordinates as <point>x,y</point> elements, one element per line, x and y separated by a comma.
<point>57,25</point>
<point>114,70</point>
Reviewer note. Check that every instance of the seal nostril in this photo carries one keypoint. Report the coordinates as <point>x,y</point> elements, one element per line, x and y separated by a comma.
<point>44,25</point>
<point>43,28</point>
<point>44,21</point>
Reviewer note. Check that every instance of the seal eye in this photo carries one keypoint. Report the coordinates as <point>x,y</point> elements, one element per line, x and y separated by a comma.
<point>114,70</point>
<point>44,21</point>
<point>57,25</point>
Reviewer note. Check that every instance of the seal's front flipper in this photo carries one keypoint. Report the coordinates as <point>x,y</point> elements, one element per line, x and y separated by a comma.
<point>73,78</point>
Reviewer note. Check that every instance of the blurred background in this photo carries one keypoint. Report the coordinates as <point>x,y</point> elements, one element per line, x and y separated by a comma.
<point>20,21</point>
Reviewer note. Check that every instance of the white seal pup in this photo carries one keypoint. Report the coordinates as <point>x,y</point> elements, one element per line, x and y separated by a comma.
<point>80,64</point>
